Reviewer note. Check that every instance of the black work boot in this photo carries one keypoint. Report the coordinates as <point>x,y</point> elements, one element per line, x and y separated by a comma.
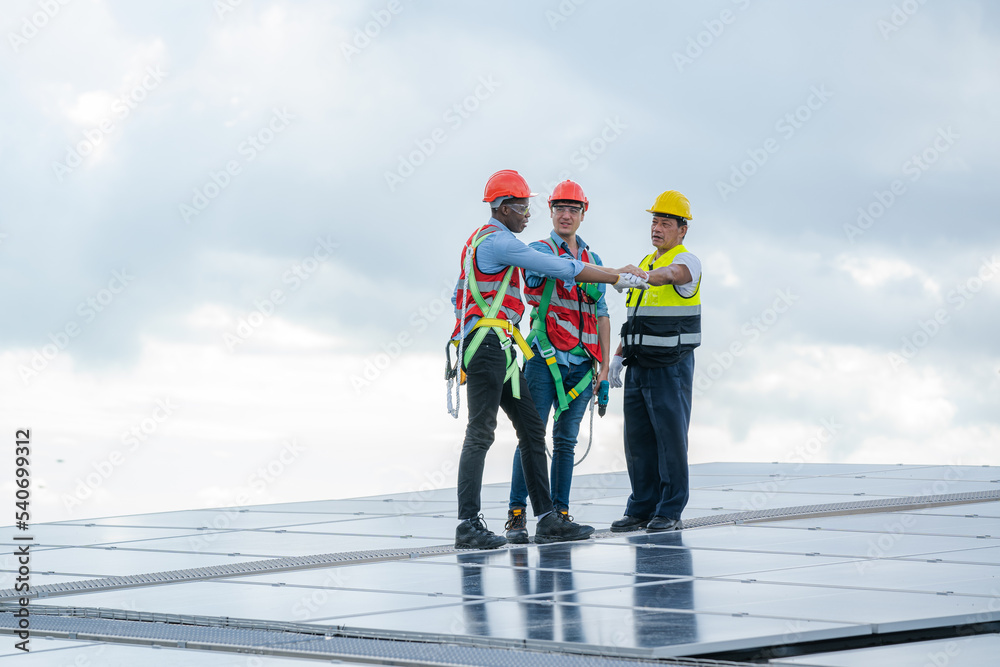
<point>628,523</point>
<point>559,527</point>
<point>473,534</point>
<point>659,524</point>
<point>516,527</point>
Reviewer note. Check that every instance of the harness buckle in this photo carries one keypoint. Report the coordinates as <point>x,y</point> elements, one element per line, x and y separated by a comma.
<point>505,342</point>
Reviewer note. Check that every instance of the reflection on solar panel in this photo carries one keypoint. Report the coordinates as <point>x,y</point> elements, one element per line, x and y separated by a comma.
<point>793,564</point>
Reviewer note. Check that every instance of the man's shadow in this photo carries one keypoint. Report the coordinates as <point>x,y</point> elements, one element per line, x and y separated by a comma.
<point>475,618</point>
<point>663,594</point>
<point>553,593</point>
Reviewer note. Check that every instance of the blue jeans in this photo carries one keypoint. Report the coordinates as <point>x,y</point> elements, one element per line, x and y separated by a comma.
<point>657,408</point>
<point>564,431</point>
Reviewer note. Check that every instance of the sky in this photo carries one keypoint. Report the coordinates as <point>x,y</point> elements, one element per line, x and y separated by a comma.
<point>229,229</point>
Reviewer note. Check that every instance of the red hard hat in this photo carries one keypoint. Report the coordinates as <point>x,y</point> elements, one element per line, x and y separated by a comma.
<point>506,183</point>
<point>569,191</point>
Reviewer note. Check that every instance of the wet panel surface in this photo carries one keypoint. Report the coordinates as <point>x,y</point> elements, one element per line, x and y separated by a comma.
<point>688,592</point>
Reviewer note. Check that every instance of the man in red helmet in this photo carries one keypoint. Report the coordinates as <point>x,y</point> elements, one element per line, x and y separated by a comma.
<point>488,308</point>
<point>570,335</point>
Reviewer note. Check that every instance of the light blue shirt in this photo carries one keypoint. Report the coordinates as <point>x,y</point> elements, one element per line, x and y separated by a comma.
<point>534,279</point>
<point>502,249</point>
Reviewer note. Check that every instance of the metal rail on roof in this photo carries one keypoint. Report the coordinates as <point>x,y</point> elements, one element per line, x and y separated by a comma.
<point>301,640</point>
<point>286,564</point>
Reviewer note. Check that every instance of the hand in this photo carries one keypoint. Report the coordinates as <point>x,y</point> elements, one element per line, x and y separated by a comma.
<point>630,281</point>
<point>615,376</point>
<point>634,270</point>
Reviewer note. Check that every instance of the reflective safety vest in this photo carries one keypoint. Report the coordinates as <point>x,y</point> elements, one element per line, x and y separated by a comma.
<point>562,319</point>
<point>511,307</point>
<point>570,320</point>
<point>481,299</point>
<point>662,325</point>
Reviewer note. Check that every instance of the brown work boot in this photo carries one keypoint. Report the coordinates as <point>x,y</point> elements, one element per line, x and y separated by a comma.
<point>516,526</point>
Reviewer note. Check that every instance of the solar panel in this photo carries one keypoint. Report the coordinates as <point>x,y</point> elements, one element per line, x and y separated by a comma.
<point>748,577</point>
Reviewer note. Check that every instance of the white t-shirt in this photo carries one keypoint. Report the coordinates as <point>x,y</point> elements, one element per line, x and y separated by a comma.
<point>689,260</point>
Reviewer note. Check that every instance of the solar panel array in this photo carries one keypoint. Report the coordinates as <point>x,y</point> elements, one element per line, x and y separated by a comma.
<point>389,584</point>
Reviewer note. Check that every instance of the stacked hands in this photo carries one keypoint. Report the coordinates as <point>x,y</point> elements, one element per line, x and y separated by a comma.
<point>631,277</point>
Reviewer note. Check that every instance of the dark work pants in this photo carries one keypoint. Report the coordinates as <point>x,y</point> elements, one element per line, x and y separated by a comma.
<point>487,392</point>
<point>657,408</point>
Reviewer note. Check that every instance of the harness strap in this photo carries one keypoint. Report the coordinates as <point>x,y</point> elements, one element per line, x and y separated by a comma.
<point>508,329</point>
<point>504,329</point>
<point>455,377</point>
<point>545,348</point>
<point>489,310</point>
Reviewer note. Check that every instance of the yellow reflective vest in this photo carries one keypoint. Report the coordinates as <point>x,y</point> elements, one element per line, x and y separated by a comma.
<point>662,325</point>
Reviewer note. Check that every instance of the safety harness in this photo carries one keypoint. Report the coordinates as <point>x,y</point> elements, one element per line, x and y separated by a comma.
<point>539,336</point>
<point>504,329</point>
<point>548,352</point>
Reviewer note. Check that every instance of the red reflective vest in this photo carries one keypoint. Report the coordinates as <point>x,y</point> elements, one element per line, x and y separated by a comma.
<point>571,321</point>
<point>511,309</point>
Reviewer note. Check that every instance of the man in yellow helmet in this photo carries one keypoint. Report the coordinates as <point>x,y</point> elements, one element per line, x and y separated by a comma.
<point>658,341</point>
<point>488,308</point>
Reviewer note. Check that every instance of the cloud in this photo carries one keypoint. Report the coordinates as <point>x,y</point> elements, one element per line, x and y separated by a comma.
<point>872,272</point>
<point>862,211</point>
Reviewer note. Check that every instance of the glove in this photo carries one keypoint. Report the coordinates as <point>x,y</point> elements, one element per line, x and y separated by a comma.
<point>628,281</point>
<point>602,398</point>
<point>615,373</point>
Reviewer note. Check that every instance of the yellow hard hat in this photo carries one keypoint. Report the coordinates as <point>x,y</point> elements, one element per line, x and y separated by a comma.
<point>672,202</point>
